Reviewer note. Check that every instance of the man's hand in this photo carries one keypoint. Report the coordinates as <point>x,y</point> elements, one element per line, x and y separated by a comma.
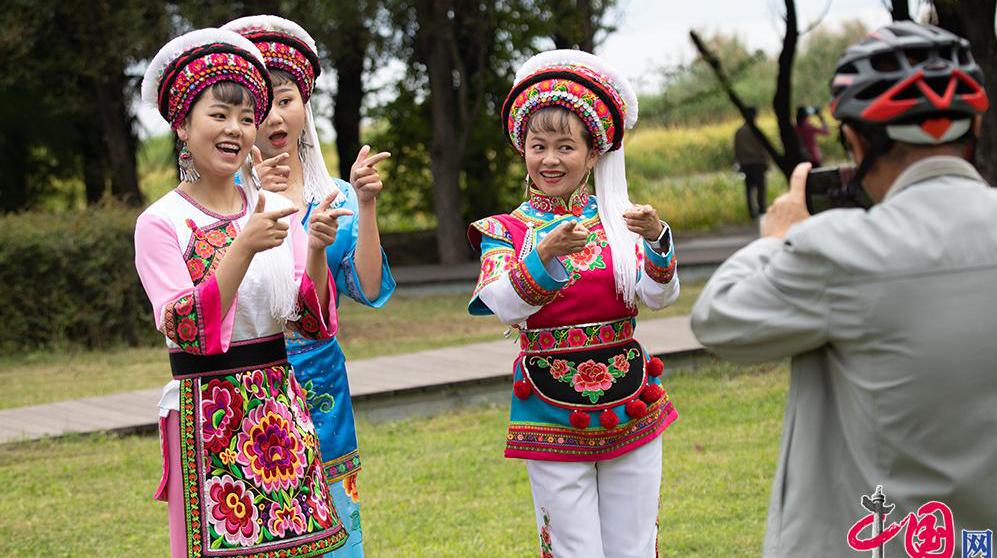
<point>789,208</point>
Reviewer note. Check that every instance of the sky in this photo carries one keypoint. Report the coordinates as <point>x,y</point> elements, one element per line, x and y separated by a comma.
<point>654,34</point>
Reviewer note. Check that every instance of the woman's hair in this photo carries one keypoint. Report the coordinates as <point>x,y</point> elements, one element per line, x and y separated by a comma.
<point>231,93</point>
<point>556,119</point>
<point>280,77</point>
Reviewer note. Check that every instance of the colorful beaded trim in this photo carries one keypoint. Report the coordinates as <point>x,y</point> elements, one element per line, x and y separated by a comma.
<point>575,88</point>
<point>658,273</point>
<point>574,337</point>
<point>188,76</point>
<point>342,467</point>
<point>527,287</point>
<point>284,52</point>
<point>554,204</point>
<point>532,441</point>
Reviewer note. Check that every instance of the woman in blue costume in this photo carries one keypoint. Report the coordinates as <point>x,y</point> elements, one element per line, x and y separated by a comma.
<point>295,168</point>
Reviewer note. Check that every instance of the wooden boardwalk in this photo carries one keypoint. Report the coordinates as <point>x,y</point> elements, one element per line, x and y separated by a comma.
<point>379,378</point>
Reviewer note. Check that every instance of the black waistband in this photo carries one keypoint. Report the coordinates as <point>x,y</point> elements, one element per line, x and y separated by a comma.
<point>264,352</point>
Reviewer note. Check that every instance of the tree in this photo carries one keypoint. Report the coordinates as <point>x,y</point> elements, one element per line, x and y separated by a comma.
<point>967,18</point>
<point>899,9</point>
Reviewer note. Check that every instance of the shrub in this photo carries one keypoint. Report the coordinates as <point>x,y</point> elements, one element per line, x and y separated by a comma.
<point>69,279</point>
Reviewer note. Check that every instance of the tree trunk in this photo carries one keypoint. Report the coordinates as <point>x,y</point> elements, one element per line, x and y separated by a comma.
<point>447,149</point>
<point>964,17</point>
<point>94,171</point>
<point>782,101</point>
<point>574,24</point>
<point>346,107</point>
<point>116,122</point>
<point>721,75</point>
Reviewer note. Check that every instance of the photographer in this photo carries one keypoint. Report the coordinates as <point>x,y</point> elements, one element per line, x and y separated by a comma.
<point>888,313</point>
<point>807,132</point>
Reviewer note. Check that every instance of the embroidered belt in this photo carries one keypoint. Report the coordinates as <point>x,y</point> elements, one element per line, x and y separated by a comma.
<point>575,337</point>
<point>256,353</point>
<point>588,379</point>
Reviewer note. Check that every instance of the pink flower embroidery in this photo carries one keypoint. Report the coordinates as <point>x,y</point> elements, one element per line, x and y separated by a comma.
<point>203,249</point>
<point>558,368</point>
<point>318,499</point>
<point>254,384</point>
<point>196,268</point>
<point>230,510</point>
<point>546,340</point>
<point>217,238</point>
<point>184,305</point>
<point>271,452</point>
<point>607,334</point>
<point>592,376</point>
<point>621,363</point>
<point>576,337</point>
<point>286,518</point>
<point>187,330</point>
<point>221,414</point>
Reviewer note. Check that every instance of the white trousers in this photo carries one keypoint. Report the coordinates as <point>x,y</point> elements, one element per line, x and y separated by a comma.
<point>603,509</point>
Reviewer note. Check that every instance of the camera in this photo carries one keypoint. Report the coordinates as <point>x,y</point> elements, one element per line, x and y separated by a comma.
<point>833,188</point>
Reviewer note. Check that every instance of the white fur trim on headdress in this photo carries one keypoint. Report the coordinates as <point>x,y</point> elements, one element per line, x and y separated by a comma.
<point>272,23</point>
<point>173,49</point>
<point>582,58</point>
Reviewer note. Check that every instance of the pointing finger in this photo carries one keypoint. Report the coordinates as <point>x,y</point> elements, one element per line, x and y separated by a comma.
<point>371,161</point>
<point>362,154</point>
<point>257,156</point>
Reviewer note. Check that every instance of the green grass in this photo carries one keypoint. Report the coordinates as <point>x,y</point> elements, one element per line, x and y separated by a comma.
<point>408,323</point>
<point>434,487</point>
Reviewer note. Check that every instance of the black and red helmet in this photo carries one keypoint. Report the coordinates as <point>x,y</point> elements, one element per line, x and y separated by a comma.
<point>907,73</point>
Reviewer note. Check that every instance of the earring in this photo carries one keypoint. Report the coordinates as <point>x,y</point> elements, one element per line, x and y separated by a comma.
<point>526,186</point>
<point>303,146</point>
<point>583,186</point>
<point>185,161</point>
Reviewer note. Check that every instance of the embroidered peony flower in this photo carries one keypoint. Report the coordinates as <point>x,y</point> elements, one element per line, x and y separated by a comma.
<point>287,517</point>
<point>196,268</point>
<point>621,363</point>
<point>576,337</point>
<point>487,267</point>
<point>584,259</point>
<point>203,249</point>
<point>351,485</point>
<point>546,340</point>
<point>221,414</point>
<point>217,238</point>
<point>271,453</point>
<point>309,324</point>
<point>230,510</point>
<point>254,384</point>
<point>592,376</point>
<point>558,368</point>
<point>184,305</point>
<point>187,330</point>
<point>607,334</point>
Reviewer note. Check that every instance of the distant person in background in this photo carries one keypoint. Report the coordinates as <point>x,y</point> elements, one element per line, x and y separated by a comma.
<point>753,161</point>
<point>808,133</point>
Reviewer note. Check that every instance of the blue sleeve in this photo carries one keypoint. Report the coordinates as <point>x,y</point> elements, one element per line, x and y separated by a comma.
<point>342,256</point>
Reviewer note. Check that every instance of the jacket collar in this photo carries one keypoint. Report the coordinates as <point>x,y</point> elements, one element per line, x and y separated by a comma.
<point>932,167</point>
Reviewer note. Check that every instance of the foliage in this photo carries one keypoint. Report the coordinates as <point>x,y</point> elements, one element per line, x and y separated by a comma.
<point>71,280</point>
<point>692,96</point>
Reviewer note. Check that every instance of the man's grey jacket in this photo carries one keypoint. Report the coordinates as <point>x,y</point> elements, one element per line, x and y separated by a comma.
<point>890,316</point>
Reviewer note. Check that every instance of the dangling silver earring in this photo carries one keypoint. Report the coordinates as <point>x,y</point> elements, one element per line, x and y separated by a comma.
<point>303,146</point>
<point>585,181</point>
<point>185,161</point>
<point>526,186</point>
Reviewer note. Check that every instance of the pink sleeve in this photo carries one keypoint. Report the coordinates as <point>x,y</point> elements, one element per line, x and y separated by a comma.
<point>189,315</point>
<point>315,322</point>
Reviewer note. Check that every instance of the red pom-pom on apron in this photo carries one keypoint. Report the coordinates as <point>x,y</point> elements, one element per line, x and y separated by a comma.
<point>608,419</point>
<point>579,419</point>
<point>652,393</point>
<point>522,389</point>
<point>655,367</point>
<point>636,408</point>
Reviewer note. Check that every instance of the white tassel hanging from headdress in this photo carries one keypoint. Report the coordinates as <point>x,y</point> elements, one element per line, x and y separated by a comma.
<point>276,265</point>
<point>317,182</point>
<point>611,191</point>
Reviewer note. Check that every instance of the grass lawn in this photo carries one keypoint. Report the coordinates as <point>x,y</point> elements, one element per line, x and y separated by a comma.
<point>434,487</point>
<point>409,322</point>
